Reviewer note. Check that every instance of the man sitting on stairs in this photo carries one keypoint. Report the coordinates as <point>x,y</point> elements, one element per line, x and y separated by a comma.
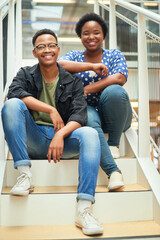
<point>43,118</point>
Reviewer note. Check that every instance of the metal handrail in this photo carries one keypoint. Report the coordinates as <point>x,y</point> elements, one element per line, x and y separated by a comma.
<point>151,139</point>
<point>3,3</point>
<point>146,13</point>
<point>132,23</point>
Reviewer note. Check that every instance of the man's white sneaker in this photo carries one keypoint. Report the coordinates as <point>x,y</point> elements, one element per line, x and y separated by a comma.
<point>89,224</point>
<point>115,181</point>
<point>23,186</point>
<point>114,151</point>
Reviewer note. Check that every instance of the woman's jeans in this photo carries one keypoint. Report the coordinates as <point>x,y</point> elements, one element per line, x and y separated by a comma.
<point>27,140</point>
<point>113,116</point>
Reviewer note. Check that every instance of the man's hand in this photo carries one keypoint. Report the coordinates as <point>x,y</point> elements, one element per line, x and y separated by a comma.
<point>100,68</point>
<point>55,149</point>
<point>56,146</point>
<point>56,119</point>
<point>37,105</point>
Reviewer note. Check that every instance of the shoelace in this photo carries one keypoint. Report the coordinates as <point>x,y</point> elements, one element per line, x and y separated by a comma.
<point>21,179</point>
<point>89,217</point>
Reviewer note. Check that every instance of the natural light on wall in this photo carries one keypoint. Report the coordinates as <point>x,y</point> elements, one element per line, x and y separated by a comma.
<point>67,39</point>
<point>52,1</point>
<point>102,1</point>
<point>134,104</point>
<point>152,124</point>
<point>150,4</point>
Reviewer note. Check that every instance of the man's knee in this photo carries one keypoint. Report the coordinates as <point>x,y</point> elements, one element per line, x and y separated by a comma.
<point>11,108</point>
<point>87,136</point>
<point>88,131</point>
<point>12,105</point>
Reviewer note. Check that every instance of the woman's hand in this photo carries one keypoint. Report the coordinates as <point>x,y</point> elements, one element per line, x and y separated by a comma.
<point>100,68</point>
<point>86,90</point>
<point>55,150</point>
<point>76,67</point>
<point>117,78</point>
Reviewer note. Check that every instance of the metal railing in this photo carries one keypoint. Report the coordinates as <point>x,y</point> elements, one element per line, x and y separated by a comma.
<point>10,9</point>
<point>143,89</point>
<point>152,142</point>
<point>140,143</point>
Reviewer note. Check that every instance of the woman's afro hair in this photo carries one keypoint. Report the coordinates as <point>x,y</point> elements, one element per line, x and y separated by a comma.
<point>91,17</point>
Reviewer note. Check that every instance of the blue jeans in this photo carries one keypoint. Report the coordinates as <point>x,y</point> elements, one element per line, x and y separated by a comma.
<point>113,116</point>
<point>28,140</point>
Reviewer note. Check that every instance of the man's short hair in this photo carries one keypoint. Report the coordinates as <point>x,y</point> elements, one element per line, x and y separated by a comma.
<point>41,32</point>
<point>91,17</point>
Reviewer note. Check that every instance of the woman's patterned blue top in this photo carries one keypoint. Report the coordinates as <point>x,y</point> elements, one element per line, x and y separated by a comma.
<point>113,59</point>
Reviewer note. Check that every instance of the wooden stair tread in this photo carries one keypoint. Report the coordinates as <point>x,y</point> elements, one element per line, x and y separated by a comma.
<point>9,156</point>
<point>111,230</point>
<point>73,189</point>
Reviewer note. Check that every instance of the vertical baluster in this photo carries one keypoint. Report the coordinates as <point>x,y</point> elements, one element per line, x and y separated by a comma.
<point>18,34</point>
<point>1,87</point>
<point>112,26</point>
<point>143,91</point>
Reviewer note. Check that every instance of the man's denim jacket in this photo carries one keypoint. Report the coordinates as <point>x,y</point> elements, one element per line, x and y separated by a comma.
<point>69,97</point>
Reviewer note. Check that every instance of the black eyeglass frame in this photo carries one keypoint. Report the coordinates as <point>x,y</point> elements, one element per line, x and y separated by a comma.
<point>37,47</point>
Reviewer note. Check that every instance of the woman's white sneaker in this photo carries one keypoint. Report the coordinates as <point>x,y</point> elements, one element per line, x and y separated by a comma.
<point>23,186</point>
<point>115,181</point>
<point>115,152</point>
<point>89,224</point>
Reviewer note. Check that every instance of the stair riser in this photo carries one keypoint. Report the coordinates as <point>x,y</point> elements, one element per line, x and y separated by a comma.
<point>59,209</point>
<point>66,173</point>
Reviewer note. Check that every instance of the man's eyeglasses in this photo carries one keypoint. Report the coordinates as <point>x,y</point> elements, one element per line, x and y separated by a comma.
<point>42,47</point>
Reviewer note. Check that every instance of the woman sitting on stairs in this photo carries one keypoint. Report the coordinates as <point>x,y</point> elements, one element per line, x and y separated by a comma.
<point>108,105</point>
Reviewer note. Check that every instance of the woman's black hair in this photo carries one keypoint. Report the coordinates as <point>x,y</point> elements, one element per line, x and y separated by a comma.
<point>41,32</point>
<point>91,17</point>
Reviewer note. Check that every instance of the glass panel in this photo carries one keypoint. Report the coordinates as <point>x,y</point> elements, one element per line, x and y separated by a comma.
<point>5,25</point>
<point>61,18</point>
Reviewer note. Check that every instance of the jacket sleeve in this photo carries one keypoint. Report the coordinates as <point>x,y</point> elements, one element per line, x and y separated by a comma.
<point>78,103</point>
<point>19,86</point>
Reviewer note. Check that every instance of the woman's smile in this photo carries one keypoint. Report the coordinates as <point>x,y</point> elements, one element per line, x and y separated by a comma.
<point>92,35</point>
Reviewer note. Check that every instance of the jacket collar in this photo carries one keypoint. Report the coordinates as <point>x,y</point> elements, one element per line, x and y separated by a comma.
<point>64,76</point>
<point>37,76</point>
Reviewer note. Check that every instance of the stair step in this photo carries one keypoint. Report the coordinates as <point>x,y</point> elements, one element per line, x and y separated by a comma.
<point>111,231</point>
<point>45,174</point>
<point>73,189</point>
<point>58,206</point>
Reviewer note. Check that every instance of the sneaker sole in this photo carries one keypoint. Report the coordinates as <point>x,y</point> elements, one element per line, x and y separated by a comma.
<point>89,231</point>
<point>22,193</point>
<point>116,186</point>
<point>115,157</point>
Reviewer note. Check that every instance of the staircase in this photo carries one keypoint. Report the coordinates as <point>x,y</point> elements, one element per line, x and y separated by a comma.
<point>49,212</point>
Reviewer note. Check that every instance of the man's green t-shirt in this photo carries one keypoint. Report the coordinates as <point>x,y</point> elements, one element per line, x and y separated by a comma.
<point>47,96</point>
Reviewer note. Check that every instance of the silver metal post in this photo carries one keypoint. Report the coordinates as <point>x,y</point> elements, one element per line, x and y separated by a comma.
<point>96,7</point>
<point>112,26</point>
<point>18,34</point>
<point>2,143</point>
<point>143,100</point>
<point>11,43</point>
